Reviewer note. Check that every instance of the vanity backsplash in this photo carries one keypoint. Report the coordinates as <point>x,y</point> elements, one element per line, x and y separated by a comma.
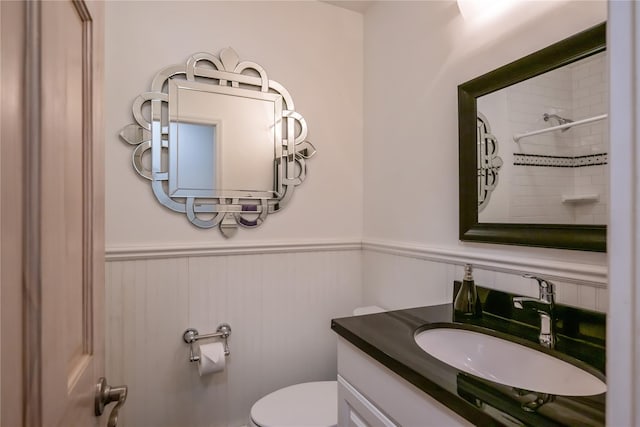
<point>581,333</point>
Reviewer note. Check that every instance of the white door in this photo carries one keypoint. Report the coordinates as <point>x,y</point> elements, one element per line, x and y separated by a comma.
<point>52,168</point>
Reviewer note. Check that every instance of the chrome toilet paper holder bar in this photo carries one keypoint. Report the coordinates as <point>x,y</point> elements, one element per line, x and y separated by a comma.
<point>191,336</point>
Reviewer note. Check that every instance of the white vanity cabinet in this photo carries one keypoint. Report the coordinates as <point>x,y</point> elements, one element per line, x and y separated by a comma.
<point>371,395</point>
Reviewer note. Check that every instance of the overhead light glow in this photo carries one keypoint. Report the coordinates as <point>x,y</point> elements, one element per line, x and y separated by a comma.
<point>485,10</point>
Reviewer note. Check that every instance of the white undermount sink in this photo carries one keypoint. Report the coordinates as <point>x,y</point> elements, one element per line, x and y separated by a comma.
<point>507,363</point>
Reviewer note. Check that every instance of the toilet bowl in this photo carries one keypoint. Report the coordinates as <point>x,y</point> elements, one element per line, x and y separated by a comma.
<point>313,404</point>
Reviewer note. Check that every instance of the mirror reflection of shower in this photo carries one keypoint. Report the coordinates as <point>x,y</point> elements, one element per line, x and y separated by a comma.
<point>561,120</point>
<point>551,175</point>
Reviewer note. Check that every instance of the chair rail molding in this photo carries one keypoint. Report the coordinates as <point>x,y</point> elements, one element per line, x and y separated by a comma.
<point>176,250</point>
<point>571,272</point>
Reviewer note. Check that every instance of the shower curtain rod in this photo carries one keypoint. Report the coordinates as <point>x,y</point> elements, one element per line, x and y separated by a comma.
<point>519,136</point>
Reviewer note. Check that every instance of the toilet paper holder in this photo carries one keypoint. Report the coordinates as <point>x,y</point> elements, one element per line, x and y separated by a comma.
<point>191,336</point>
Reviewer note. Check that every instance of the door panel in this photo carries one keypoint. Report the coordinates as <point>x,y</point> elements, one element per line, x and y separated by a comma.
<point>12,78</point>
<point>68,354</point>
<point>71,212</point>
<point>59,179</point>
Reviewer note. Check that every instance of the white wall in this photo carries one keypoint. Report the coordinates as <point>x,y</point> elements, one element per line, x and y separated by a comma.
<point>313,49</point>
<point>623,323</point>
<point>278,285</point>
<point>416,54</point>
<point>304,266</point>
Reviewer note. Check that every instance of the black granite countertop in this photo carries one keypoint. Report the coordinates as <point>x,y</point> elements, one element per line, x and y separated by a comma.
<point>389,338</point>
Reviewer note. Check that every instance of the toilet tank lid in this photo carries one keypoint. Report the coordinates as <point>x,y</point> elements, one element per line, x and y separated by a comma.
<point>308,404</point>
<point>370,309</point>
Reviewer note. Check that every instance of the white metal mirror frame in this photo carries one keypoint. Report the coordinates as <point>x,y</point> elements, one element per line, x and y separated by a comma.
<point>241,209</point>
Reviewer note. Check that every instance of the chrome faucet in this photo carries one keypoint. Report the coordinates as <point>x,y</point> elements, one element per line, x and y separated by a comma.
<point>545,306</point>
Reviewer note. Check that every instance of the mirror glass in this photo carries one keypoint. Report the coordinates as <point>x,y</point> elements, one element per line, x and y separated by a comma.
<point>214,150</point>
<point>219,141</point>
<point>533,141</point>
<point>550,134</point>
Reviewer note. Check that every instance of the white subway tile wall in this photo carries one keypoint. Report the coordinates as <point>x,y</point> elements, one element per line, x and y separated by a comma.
<point>590,98</point>
<point>536,193</point>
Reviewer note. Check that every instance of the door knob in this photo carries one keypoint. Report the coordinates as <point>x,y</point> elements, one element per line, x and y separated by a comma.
<point>106,394</point>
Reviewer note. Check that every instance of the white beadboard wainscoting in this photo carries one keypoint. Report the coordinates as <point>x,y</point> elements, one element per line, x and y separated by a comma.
<point>279,299</point>
<point>400,275</point>
<point>279,306</point>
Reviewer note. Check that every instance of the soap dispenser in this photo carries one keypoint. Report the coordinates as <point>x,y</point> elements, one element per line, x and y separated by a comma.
<point>466,302</point>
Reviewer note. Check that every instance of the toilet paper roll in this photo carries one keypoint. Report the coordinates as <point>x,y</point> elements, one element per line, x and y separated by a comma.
<point>211,358</point>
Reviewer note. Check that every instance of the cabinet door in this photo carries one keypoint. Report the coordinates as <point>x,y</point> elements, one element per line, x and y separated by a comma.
<point>394,400</point>
<point>354,410</point>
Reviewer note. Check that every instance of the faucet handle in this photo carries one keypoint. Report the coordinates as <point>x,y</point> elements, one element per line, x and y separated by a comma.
<point>545,287</point>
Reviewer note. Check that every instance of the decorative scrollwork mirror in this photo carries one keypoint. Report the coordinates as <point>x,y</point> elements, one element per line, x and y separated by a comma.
<point>219,141</point>
<point>489,163</point>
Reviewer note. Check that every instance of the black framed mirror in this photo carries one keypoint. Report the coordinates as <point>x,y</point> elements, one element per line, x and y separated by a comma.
<point>480,164</point>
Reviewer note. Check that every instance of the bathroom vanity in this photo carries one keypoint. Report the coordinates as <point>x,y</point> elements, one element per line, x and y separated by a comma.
<point>386,379</point>
<point>369,394</point>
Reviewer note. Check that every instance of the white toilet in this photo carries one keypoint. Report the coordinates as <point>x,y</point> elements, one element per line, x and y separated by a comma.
<point>301,405</point>
<point>313,404</point>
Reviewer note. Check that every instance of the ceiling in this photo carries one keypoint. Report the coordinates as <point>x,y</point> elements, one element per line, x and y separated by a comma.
<point>359,6</point>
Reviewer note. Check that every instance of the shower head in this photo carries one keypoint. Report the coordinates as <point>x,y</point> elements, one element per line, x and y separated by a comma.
<point>561,120</point>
